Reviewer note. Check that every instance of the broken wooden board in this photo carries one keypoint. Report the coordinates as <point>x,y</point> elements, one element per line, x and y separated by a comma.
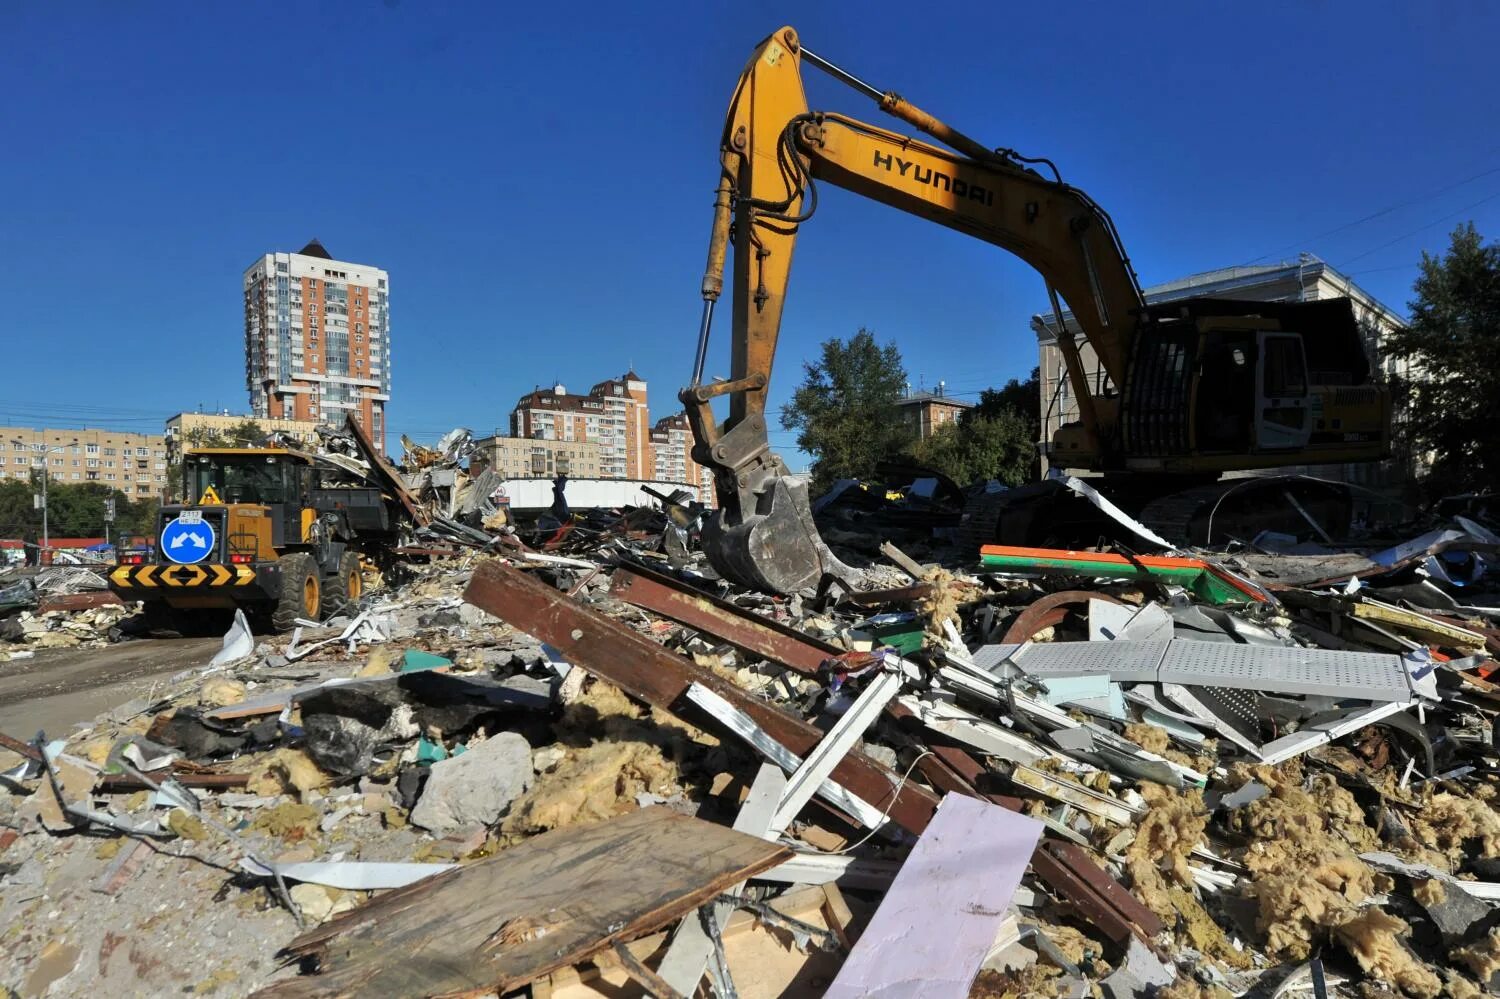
<point>939,921</point>
<point>764,962</point>
<point>551,901</point>
<point>648,672</point>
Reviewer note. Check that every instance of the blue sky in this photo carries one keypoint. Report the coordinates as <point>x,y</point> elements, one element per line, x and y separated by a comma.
<point>537,179</point>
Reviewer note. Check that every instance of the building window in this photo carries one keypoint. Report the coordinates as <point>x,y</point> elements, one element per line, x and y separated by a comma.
<point>93,449</point>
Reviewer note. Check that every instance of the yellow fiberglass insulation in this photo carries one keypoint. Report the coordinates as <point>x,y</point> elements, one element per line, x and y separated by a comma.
<point>1151,738</point>
<point>1482,958</point>
<point>1445,821</point>
<point>613,754</point>
<point>1300,901</point>
<point>1167,833</point>
<point>1186,988</point>
<point>1373,937</point>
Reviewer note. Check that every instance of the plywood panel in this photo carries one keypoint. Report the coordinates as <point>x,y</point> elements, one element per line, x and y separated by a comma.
<point>545,903</point>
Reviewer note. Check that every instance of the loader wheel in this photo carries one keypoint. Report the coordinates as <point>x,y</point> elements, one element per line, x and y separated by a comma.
<point>344,587</point>
<point>301,592</point>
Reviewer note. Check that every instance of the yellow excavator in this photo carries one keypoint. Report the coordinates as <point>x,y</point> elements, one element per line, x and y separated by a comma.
<point>1194,389</point>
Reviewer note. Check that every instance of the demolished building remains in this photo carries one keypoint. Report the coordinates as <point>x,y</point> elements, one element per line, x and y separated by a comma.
<point>562,758</point>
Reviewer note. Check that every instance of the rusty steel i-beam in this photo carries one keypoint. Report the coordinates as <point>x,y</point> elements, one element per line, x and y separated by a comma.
<point>649,672</point>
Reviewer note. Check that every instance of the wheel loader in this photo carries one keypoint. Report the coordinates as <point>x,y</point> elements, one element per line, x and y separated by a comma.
<point>269,530</point>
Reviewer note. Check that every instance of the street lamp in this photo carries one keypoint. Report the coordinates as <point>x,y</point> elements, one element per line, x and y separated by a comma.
<point>43,450</point>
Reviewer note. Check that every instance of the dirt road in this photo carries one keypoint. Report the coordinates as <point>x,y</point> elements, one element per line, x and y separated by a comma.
<point>60,687</point>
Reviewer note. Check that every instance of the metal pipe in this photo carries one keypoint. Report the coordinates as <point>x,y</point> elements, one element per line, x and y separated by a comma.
<point>843,75</point>
<point>704,325</point>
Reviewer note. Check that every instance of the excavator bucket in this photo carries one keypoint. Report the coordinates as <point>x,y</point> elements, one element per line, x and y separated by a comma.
<point>776,548</point>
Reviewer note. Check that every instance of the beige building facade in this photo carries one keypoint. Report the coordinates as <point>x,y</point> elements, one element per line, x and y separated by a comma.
<point>181,427</point>
<point>135,464</point>
<point>531,458</point>
<point>614,414</point>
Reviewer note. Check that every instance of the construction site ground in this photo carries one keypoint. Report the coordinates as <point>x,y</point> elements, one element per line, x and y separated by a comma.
<point>58,688</point>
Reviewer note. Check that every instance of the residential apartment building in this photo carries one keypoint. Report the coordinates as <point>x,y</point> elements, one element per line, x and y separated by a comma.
<point>135,464</point>
<point>524,457</point>
<point>672,457</point>
<point>1305,279</point>
<point>183,426</point>
<point>317,339</point>
<point>925,412</point>
<point>614,415</point>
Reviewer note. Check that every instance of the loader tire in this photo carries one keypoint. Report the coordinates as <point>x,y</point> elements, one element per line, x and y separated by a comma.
<point>301,592</point>
<point>342,590</point>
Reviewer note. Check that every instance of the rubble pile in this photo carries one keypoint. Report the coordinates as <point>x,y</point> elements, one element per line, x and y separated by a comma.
<point>56,608</point>
<point>587,767</point>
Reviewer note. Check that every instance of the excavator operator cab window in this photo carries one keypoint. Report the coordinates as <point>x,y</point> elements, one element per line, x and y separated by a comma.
<point>1226,391</point>
<point>1283,414</point>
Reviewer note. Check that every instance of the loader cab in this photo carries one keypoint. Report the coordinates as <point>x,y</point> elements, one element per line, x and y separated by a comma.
<point>264,476</point>
<point>266,491</point>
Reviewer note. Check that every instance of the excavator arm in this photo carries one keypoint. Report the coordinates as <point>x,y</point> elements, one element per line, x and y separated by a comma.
<point>773,153</point>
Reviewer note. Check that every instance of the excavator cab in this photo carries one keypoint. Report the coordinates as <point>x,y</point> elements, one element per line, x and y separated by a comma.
<point>1252,371</point>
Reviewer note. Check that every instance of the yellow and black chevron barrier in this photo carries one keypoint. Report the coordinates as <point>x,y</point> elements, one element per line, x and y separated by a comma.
<point>152,576</point>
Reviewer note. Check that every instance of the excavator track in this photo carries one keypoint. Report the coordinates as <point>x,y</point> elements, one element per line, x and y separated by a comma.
<point>1239,509</point>
<point>1045,515</point>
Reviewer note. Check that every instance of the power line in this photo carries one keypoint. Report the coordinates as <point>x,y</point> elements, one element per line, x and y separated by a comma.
<point>1420,228</point>
<point>1375,215</point>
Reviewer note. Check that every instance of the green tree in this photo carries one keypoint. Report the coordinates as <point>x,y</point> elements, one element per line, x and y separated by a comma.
<point>1022,398</point>
<point>844,410</point>
<point>74,510</point>
<point>18,517</point>
<point>1449,391</point>
<point>1000,446</point>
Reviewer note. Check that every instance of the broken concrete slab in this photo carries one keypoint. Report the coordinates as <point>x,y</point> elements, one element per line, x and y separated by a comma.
<point>475,788</point>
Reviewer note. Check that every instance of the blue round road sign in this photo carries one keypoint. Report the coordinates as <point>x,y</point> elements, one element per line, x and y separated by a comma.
<point>187,543</point>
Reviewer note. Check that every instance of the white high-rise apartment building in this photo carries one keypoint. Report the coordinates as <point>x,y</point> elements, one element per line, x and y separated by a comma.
<point>317,339</point>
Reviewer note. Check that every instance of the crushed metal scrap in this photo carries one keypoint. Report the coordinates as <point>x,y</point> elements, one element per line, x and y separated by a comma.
<point>1021,771</point>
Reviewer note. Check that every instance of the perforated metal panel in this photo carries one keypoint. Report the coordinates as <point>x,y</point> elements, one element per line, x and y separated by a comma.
<point>1129,662</point>
<point>1239,709</point>
<point>989,657</point>
<point>1367,675</point>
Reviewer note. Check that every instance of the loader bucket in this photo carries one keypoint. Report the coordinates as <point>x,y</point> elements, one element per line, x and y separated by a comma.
<point>776,548</point>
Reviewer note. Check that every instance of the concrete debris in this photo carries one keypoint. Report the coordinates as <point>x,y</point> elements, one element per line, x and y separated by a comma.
<point>1239,761</point>
<point>476,788</point>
